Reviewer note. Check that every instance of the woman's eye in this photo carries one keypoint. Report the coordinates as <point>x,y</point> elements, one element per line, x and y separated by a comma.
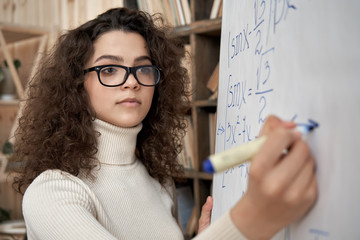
<point>108,70</point>
<point>145,70</point>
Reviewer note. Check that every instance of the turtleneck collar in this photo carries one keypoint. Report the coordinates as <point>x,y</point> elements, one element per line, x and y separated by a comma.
<point>116,145</point>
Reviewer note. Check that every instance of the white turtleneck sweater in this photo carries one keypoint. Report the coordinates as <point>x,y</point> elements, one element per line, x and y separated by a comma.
<point>122,202</point>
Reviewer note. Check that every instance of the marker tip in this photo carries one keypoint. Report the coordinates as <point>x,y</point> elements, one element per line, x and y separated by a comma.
<point>208,167</point>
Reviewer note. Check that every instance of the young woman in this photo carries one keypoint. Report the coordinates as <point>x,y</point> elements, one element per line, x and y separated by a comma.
<point>100,132</point>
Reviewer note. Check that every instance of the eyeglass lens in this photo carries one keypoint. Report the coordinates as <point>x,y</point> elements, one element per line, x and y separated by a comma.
<point>112,75</point>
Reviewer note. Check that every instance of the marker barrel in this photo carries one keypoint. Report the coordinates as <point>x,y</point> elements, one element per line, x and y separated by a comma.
<point>238,155</point>
<point>234,156</point>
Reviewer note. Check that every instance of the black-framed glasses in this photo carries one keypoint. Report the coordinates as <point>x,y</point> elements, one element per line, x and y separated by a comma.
<point>116,75</point>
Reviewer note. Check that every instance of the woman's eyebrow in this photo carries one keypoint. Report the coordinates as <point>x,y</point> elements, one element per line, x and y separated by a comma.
<point>110,57</point>
<point>142,58</point>
<point>121,59</point>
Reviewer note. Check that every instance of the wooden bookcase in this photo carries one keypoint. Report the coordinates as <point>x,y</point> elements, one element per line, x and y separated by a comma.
<point>204,38</point>
<point>203,35</point>
<point>32,42</point>
<point>25,43</point>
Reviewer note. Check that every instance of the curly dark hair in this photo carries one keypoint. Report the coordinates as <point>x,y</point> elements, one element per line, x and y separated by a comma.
<point>56,124</point>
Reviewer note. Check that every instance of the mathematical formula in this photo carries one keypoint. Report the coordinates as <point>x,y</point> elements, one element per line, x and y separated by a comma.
<point>252,40</point>
<point>297,60</point>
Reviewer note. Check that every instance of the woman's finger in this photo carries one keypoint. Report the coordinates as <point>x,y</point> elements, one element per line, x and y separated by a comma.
<point>272,122</point>
<point>290,166</point>
<point>297,190</point>
<point>205,217</point>
<point>271,151</point>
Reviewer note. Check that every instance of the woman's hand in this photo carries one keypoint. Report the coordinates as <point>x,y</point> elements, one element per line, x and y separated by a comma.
<point>281,187</point>
<point>205,217</point>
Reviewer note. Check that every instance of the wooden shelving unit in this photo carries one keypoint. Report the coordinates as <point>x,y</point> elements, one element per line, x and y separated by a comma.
<point>10,35</point>
<point>203,35</point>
<point>204,38</point>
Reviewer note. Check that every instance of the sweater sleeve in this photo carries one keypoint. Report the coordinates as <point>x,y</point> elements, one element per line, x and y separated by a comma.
<point>223,228</point>
<point>171,189</point>
<point>58,205</point>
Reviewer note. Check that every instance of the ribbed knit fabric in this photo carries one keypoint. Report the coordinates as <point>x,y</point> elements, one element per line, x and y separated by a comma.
<point>123,202</point>
<point>221,229</point>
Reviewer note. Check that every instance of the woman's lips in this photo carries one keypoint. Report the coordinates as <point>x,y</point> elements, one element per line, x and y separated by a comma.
<point>129,102</point>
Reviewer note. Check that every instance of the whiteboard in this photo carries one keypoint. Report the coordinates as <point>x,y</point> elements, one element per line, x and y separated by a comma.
<point>299,60</point>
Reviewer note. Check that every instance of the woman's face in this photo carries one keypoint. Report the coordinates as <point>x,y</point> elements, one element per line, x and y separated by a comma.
<point>128,104</point>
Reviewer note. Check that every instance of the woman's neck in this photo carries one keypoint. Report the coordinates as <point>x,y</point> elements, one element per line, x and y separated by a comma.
<point>116,145</point>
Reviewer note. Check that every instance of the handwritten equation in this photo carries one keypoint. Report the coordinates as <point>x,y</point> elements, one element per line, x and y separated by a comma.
<point>249,86</point>
<point>297,60</point>
<point>241,125</point>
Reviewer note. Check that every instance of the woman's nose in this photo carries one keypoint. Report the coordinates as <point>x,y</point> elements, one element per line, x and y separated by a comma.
<point>131,82</point>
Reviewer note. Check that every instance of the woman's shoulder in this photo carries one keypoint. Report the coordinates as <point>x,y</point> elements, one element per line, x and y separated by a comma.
<point>57,201</point>
<point>53,174</point>
<point>54,178</point>
<point>55,185</point>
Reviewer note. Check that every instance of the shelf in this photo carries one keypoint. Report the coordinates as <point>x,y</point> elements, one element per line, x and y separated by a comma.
<point>14,102</point>
<point>13,36</point>
<point>207,27</point>
<point>16,33</point>
<point>192,174</point>
<point>200,175</point>
<point>205,103</point>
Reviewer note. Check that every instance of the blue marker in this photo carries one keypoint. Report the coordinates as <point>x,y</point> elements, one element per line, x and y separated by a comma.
<point>241,154</point>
